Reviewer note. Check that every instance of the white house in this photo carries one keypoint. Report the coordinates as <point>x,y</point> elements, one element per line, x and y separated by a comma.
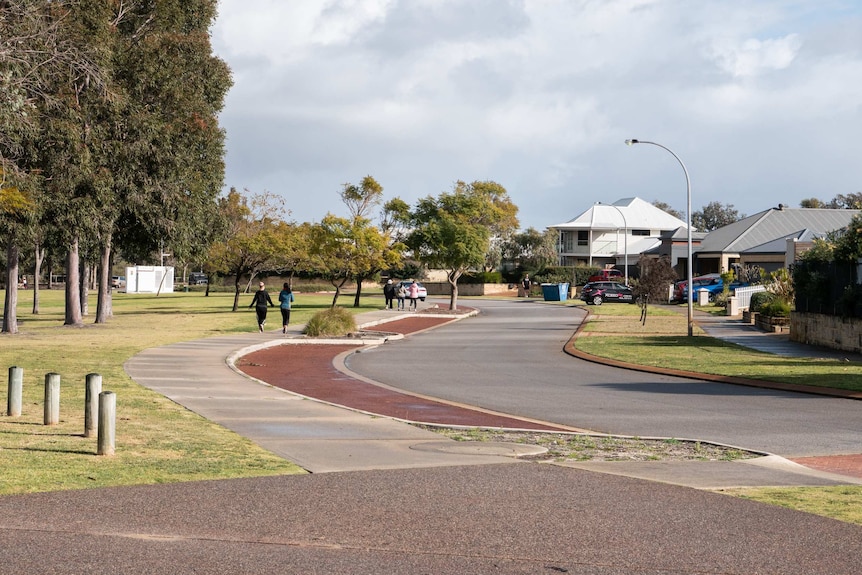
<point>612,234</point>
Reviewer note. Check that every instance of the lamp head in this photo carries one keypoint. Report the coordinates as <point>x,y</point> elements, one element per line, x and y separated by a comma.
<point>631,142</point>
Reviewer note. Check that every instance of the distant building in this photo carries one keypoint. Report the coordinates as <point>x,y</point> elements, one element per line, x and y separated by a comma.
<point>762,240</point>
<point>606,234</point>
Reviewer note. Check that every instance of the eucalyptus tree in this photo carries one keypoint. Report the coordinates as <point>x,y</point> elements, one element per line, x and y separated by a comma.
<point>374,249</point>
<point>453,231</point>
<point>38,56</point>
<point>251,243</point>
<point>169,158</point>
<point>345,249</point>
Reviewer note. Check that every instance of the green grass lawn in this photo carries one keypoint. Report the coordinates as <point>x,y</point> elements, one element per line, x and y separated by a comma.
<point>157,441</point>
<point>616,332</point>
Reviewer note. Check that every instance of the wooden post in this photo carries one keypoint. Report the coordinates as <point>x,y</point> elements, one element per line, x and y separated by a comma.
<point>16,390</point>
<point>52,398</point>
<point>91,404</point>
<point>107,422</point>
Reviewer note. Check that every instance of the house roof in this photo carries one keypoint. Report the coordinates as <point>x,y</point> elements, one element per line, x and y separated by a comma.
<point>772,224</point>
<point>636,214</point>
<point>779,245</point>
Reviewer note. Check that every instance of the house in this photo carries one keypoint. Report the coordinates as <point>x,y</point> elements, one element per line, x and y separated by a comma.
<point>616,234</point>
<point>762,240</point>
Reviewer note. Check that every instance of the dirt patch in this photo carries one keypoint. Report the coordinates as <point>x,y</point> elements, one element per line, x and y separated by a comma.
<point>583,447</point>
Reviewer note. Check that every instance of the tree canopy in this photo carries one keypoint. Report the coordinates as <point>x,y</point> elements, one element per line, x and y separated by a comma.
<point>453,231</point>
<point>714,215</point>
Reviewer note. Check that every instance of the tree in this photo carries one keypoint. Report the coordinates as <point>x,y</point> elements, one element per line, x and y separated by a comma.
<point>714,215</point>
<point>655,276</point>
<point>374,249</point>
<point>531,249</point>
<point>453,231</point>
<point>667,209</point>
<point>41,69</point>
<point>251,241</point>
<point>812,203</point>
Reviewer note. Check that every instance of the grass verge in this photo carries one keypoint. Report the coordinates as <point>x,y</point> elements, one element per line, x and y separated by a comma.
<point>157,440</point>
<point>661,342</point>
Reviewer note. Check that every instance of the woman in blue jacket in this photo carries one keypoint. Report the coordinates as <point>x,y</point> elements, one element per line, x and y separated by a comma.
<point>285,298</point>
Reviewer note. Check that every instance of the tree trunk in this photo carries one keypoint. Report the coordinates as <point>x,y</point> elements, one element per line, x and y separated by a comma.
<point>358,292</point>
<point>236,293</point>
<point>73,301</point>
<point>10,305</point>
<point>84,292</point>
<point>453,282</point>
<point>105,299</point>
<point>39,257</point>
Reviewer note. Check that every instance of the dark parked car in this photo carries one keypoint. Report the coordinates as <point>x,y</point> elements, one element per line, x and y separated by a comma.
<point>197,279</point>
<point>599,292</point>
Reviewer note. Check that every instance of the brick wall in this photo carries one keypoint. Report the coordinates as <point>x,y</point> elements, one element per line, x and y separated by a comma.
<point>827,331</point>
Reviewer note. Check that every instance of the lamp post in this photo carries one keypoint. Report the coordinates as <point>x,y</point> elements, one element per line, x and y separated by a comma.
<point>688,226</point>
<point>625,238</point>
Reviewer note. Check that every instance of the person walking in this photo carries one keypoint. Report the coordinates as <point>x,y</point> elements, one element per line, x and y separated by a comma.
<point>260,302</point>
<point>285,298</point>
<point>527,284</point>
<point>389,293</point>
<point>413,294</point>
<point>401,295</point>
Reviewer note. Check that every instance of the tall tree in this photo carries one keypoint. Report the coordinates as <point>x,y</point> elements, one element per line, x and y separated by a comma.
<point>453,231</point>
<point>251,242</point>
<point>714,215</point>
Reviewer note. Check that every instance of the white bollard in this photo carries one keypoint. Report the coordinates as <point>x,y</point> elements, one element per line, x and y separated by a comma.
<point>16,391</point>
<point>107,423</point>
<point>52,398</point>
<point>91,404</point>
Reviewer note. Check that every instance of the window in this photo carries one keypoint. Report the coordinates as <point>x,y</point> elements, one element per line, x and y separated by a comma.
<point>640,232</point>
<point>583,237</point>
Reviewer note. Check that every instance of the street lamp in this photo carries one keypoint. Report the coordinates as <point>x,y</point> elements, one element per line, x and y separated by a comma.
<point>625,238</point>
<point>688,225</point>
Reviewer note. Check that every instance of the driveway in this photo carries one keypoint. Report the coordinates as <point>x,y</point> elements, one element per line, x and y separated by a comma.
<point>510,359</point>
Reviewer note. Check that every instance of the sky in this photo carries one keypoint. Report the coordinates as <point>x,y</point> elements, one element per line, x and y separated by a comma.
<point>761,100</point>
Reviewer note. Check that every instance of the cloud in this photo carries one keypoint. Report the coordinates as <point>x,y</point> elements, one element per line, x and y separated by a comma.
<point>760,98</point>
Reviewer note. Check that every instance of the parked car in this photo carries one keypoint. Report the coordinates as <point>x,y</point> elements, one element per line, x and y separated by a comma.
<point>713,288</point>
<point>118,282</point>
<point>608,275</point>
<point>198,279</point>
<point>679,288</point>
<point>423,293</point>
<point>597,293</point>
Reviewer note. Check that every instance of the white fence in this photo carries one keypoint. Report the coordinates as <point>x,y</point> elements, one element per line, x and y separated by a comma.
<point>743,295</point>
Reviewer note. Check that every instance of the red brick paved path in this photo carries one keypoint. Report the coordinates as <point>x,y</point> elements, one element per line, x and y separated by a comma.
<point>307,369</point>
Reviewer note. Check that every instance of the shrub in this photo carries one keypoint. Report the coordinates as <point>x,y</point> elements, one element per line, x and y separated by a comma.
<point>759,300</point>
<point>335,321</point>
<point>776,308</point>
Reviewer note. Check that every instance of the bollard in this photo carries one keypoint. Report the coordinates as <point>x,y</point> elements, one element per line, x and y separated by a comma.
<point>16,391</point>
<point>52,398</point>
<point>107,422</point>
<point>91,404</point>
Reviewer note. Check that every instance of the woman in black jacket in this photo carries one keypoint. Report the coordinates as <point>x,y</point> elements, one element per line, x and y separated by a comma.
<point>260,302</point>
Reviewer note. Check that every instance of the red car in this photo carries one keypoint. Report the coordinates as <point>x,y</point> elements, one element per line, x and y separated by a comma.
<point>609,275</point>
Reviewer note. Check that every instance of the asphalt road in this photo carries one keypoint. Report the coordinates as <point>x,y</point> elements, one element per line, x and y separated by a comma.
<point>510,358</point>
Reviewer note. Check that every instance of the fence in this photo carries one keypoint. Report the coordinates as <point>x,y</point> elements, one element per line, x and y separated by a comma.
<point>743,295</point>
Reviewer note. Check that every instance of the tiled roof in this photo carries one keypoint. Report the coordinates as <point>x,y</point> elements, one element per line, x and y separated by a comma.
<point>773,224</point>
